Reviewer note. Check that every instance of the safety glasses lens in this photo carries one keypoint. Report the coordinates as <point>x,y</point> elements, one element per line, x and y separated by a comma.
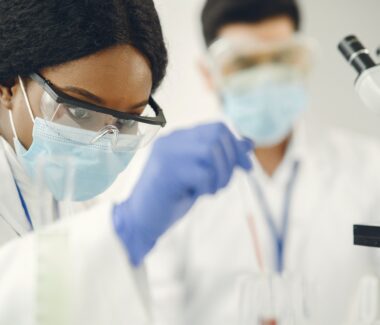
<point>83,125</point>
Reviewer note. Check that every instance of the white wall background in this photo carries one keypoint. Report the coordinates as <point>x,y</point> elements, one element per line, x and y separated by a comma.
<point>186,99</point>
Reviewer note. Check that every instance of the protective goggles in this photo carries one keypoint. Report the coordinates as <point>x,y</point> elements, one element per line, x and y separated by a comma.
<point>97,122</point>
<point>228,56</point>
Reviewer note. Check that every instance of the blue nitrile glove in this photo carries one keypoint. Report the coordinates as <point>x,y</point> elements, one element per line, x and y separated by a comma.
<point>182,167</point>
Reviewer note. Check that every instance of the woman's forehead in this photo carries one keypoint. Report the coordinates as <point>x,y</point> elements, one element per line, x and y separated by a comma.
<point>119,76</point>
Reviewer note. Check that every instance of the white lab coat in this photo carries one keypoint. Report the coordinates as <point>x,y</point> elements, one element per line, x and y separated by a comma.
<point>74,271</point>
<point>196,269</point>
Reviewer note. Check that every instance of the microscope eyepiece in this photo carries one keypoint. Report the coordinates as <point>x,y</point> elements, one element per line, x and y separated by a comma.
<point>356,54</point>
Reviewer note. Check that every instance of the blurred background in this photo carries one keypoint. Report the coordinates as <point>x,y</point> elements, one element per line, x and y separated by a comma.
<point>186,100</point>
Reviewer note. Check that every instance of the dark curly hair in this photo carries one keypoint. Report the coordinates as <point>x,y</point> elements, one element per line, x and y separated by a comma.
<point>218,13</point>
<point>35,34</point>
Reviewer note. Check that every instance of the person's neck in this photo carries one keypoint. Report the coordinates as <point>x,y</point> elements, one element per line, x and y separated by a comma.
<point>270,158</point>
<point>5,128</point>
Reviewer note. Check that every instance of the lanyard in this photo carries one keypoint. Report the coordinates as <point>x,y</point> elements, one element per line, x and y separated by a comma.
<point>24,206</point>
<point>279,236</point>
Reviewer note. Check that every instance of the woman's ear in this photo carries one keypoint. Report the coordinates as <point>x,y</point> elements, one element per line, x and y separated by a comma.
<point>6,94</point>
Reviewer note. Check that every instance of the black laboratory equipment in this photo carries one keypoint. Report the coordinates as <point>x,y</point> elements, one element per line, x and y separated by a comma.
<point>367,85</point>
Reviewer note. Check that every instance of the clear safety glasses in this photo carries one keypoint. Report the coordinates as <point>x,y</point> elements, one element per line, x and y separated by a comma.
<point>95,124</point>
<point>232,55</point>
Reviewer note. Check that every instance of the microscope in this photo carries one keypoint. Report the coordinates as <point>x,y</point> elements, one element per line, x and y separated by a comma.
<point>367,85</point>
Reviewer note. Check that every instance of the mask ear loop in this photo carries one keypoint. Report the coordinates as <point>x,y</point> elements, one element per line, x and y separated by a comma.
<point>30,111</point>
<point>10,113</point>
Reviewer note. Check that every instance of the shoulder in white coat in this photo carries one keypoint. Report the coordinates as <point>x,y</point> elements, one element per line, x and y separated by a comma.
<point>75,271</point>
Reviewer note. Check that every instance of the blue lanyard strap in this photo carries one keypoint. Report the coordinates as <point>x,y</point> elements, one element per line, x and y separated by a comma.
<point>279,236</point>
<point>24,206</point>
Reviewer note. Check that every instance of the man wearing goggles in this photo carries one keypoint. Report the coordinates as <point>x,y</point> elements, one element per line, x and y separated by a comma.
<point>294,213</point>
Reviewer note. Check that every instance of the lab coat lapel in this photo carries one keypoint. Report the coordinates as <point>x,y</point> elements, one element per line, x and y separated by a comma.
<point>306,198</point>
<point>11,210</point>
<point>316,176</point>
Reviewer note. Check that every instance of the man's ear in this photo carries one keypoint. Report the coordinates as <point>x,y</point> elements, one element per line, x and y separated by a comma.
<point>6,94</point>
<point>206,74</point>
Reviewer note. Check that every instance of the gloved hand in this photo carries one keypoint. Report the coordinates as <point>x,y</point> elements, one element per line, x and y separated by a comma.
<point>182,167</point>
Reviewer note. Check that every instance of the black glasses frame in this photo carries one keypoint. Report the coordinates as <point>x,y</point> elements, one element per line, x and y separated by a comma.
<point>62,98</point>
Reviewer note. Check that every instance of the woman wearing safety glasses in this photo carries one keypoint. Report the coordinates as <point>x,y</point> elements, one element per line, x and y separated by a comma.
<point>76,85</point>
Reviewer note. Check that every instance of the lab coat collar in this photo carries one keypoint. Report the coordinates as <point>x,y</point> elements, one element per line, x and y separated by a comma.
<point>18,172</point>
<point>10,205</point>
<point>297,150</point>
<point>36,196</point>
<point>42,207</point>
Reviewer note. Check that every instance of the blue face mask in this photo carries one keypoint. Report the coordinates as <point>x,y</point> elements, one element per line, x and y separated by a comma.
<point>264,103</point>
<point>71,170</point>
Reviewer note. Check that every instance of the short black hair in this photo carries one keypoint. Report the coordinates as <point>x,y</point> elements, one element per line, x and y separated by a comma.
<point>218,13</point>
<point>36,34</point>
